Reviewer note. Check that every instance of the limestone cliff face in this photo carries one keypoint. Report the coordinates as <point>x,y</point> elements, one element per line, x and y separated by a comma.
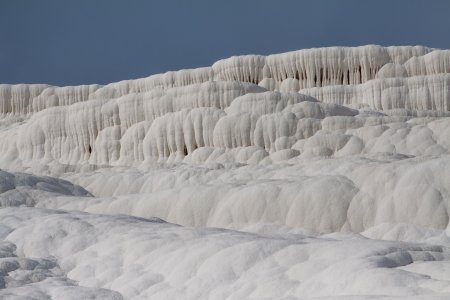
<point>327,139</point>
<point>170,116</point>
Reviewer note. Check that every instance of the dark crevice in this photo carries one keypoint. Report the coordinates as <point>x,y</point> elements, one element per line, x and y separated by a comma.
<point>360,74</point>
<point>186,152</point>
<point>320,76</point>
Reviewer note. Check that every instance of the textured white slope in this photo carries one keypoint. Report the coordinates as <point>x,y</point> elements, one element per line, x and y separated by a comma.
<point>53,254</point>
<point>348,194</point>
<point>310,67</point>
<point>35,277</point>
<point>391,123</point>
<point>351,143</point>
<point>128,122</point>
<point>144,259</point>
<point>132,130</point>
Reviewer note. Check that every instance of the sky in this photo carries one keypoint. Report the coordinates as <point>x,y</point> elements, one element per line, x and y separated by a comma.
<point>62,42</point>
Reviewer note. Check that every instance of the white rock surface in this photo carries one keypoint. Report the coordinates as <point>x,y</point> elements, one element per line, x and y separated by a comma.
<point>148,258</point>
<point>325,174</point>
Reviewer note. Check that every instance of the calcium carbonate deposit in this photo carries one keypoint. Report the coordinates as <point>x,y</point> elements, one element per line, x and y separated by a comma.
<point>314,174</point>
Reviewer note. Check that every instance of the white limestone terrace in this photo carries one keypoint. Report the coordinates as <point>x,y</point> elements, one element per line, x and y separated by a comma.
<point>125,122</point>
<point>302,69</point>
<point>314,174</point>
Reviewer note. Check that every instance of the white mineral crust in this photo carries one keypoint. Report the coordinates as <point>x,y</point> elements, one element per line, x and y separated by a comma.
<point>314,174</point>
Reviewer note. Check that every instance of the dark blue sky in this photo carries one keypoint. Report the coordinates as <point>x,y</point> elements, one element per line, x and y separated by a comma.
<point>99,41</point>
